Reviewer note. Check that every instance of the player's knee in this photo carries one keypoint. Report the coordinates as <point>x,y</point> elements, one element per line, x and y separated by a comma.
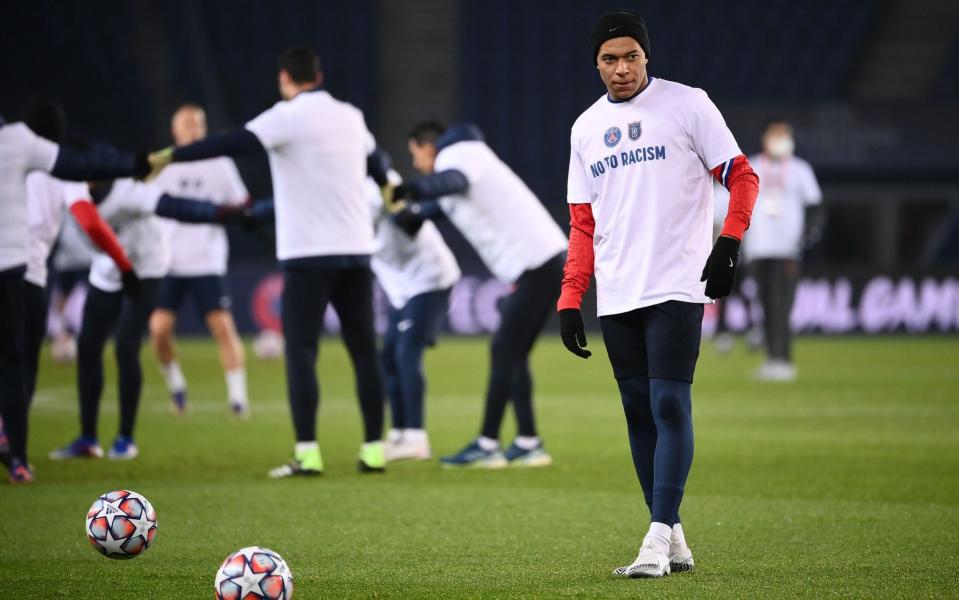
<point>161,324</point>
<point>503,349</point>
<point>669,403</point>
<point>127,349</point>
<point>221,326</point>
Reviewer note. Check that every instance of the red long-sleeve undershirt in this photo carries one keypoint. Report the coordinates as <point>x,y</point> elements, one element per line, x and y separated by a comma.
<point>100,233</point>
<point>736,175</point>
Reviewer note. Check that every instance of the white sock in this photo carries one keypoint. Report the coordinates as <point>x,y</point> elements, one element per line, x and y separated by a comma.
<point>659,533</point>
<point>236,385</point>
<point>394,436</point>
<point>677,537</point>
<point>527,442</point>
<point>175,382</point>
<point>415,436</point>
<point>487,444</point>
<point>302,447</point>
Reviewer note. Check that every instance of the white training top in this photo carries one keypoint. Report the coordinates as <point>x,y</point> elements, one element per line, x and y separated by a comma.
<point>317,147</point>
<point>405,266</point>
<point>786,188</point>
<point>498,214</point>
<point>48,199</point>
<point>644,166</point>
<point>199,248</point>
<point>129,209</point>
<point>74,250</point>
<point>21,151</point>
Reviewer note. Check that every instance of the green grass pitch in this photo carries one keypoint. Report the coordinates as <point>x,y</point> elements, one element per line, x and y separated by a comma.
<point>845,484</point>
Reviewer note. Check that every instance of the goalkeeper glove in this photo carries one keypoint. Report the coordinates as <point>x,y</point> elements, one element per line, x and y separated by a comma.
<point>720,270</point>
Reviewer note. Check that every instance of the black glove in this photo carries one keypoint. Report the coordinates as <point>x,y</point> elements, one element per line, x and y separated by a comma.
<point>572,331</point>
<point>141,165</point>
<point>409,220</point>
<point>240,215</point>
<point>720,270</point>
<point>131,283</point>
<point>400,192</point>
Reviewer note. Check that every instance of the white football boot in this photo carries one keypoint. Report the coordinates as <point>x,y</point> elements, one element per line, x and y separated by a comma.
<point>680,556</point>
<point>651,562</point>
<point>411,445</point>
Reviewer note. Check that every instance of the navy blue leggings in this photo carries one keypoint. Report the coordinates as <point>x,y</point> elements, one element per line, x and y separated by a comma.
<point>106,313</point>
<point>653,351</point>
<point>411,330</point>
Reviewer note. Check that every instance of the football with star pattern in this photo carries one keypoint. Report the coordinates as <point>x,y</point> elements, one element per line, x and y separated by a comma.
<point>254,573</point>
<point>121,524</point>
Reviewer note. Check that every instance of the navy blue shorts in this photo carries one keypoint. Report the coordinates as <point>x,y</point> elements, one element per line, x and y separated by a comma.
<point>422,317</point>
<point>209,293</point>
<point>659,341</point>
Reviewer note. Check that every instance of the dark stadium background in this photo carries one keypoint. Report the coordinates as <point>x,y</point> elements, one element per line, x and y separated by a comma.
<point>872,88</point>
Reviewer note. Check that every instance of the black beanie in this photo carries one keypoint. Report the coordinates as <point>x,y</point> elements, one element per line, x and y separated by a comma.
<point>620,23</point>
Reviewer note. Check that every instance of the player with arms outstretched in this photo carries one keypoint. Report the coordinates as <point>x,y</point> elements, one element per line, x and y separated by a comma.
<point>48,202</point>
<point>320,152</point>
<point>642,159</point>
<point>521,245</point>
<point>23,152</point>
<point>198,263</point>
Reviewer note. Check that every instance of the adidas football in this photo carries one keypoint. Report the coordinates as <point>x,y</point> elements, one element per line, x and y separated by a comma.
<point>253,573</point>
<point>121,524</point>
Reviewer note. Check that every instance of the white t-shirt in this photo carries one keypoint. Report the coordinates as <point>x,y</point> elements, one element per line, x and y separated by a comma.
<point>405,266</point>
<point>644,166</point>
<point>786,188</point>
<point>317,148</point>
<point>21,151</point>
<point>129,209</point>
<point>48,198</point>
<point>498,214</point>
<point>74,250</point>
<point>200,249</point>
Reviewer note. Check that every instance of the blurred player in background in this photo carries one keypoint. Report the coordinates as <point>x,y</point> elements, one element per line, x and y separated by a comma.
<point>787,222</point>
<point>320,152</point>
<point>22,152</point>
<point>642,160</point>
<point>120,303</point>
<point>48,200</point>
<point>416,270</point>
<point>72,256</point>
<point>198,264</point>
<point>522,246</point>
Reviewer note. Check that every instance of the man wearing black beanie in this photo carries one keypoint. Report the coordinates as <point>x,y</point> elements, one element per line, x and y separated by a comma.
<point>642,161</point>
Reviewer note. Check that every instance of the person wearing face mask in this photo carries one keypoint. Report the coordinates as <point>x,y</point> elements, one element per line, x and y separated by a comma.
<point>787,222</point>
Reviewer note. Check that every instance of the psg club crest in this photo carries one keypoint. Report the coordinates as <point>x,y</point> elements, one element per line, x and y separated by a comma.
<point>612,136</point>
<point>635,130</point>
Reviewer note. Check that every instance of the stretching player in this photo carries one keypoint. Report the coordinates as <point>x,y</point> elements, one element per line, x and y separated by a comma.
<point>521,245</point>
<point>131,208</point>
<point>416,270</point>
<point>22,152</point>
<point>48,199</point>
<point>198,264</point>
<point>640,194</point>
<point>320,152</point>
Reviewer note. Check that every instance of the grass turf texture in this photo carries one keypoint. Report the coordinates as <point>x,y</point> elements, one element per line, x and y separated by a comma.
<point>841,485</point>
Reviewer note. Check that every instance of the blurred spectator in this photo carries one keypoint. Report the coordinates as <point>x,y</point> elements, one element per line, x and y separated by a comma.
<point>787,221</point>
